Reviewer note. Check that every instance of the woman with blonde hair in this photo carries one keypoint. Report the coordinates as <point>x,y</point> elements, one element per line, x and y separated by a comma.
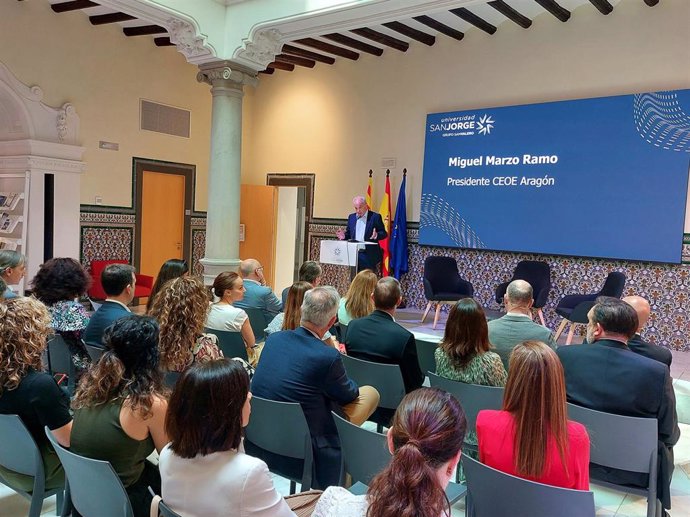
<point>181,308</point>
<point>27,391</point>
<point>358,301</point>
<point>532,437</point>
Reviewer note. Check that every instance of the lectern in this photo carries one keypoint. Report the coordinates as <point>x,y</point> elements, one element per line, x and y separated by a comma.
<point>342,253</point>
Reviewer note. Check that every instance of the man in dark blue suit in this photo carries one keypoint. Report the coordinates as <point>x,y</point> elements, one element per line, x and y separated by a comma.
<point>365,226</point>
<point>118,282</point>
<point>297,366</point>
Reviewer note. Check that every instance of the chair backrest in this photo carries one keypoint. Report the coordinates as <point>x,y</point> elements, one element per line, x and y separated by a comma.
<point>60,360</point>
<point>365,453</point>
<point>440,274</point>
<point>291,439</point>
<point>95,352</point>
<point>580,311</point>
<point>18,450</point>
<point>426,351</point>
<point>386,378</point>
<point>95,488</point>
<point>492,493</point>
<point>230,343</point>
<point>96,268</point>
<point>472,397</point>
<point>538,274</point>
<point>257,321</point>
<point>617,441</point>
<point>163,509</point>
<point>614,285</point>
<point>170,379</point>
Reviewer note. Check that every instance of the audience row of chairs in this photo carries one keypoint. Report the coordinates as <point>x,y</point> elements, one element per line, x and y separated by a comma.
<point>443,284</point>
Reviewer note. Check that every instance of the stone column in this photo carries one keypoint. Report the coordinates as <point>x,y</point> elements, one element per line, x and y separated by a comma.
<point>223,216</point>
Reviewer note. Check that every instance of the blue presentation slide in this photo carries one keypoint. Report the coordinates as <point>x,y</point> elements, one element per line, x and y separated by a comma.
<point>604,177</point>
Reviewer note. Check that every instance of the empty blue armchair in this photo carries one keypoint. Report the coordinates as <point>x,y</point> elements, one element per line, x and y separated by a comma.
<point>443,284</point>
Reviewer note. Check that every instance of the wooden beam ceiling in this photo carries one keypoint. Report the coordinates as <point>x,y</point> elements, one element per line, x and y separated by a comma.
<point>511,13</point>
<point>651,3</point>
<point>296,51</point>
<point>74,5</point>
<point>277,65</point>
<point>102,19</point>
<point>440,27</point>
<point>473,19</point>
<point>354,43</point>
<point>144,30</point>
<point>411,33</point>
<point>295,60</point>
<point>555,9</point>
<point>383,39</point>
<point>327,47</point>
<point>603,5</point>
<point>163,42</point>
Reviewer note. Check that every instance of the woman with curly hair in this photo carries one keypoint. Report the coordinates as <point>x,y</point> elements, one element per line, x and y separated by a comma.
<point>181,308</point>
<point>58,282</point>
<point>358,302</point>
<point>120,408</point>
<point>27,391</point>
<point>425,439</point>
<point>172,268</point>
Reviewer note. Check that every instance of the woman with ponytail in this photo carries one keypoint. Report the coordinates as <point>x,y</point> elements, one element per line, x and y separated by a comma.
<point>532,437</point>
<point>425,439</point>
<point>120,408</point>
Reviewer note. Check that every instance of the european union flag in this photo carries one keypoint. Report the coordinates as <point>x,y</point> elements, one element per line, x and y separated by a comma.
<point>398,243</point>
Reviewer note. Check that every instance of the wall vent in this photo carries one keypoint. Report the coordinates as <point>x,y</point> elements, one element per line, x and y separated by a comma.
<point>164,119</point>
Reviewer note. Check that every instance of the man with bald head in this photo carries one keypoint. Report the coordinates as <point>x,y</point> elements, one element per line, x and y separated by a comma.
<point>517,325</point>
<point>639,345</point>
<point>258,295</point>
<point>364,226</point>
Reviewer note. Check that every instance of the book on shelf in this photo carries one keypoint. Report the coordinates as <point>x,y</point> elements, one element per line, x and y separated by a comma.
<point>9,200</point>
<point>8,222</point>
<point>9,244</point>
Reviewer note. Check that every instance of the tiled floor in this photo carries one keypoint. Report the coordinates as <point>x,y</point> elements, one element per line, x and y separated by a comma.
<point>607,502</point>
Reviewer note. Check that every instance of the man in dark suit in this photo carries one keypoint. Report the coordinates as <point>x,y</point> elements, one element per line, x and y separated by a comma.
<point>296,366</point>
<point>118,282</point>
<point>378,338</point>
<point>639,345</point>
<point>365,226</point>
<point>607,376</point>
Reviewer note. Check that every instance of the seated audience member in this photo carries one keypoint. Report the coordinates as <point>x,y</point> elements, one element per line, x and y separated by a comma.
<point>639,345</point>
<point>290,319</point>
<point>3,289</point>
<point>310,272</point>
<point>312,374</point>
<point>223,315</point>
<point>27,391</point>
<point>358,301</point>
<point>204,469</point>
<point>120,408</point>
<point>464,354</point>
<point>378,338</point>
<point>532,437</point>
<point>257,294</point>
<point>425,439</point>
<point>118,282</point>
<point>58,282</point>
<point>181,308</point>
<point>516,325</point>
<point>172,268</point>
<point>607,376</point>
<point>12,270</point>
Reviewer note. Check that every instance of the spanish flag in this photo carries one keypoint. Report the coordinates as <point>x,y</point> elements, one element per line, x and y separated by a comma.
<point>370,188</point>
<point>385,212</point>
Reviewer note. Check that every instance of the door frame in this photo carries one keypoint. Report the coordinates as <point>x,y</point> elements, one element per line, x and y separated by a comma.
<point>181,169</point>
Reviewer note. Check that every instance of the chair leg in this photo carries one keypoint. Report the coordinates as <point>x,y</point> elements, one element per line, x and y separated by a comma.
<point>571,332</point>
<point>426,312</point>
<point>541,317</point>
<point>560,329</point>
<point>438,312</point>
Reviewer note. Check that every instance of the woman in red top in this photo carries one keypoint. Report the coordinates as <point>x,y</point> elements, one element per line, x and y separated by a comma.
<point>532,437</point>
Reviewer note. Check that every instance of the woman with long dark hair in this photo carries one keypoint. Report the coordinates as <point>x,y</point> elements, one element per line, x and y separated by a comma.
<point>120,407</point>
<point>172,268</point>
<point>228,286</point>
<point>532,437</point>
<point>425,439</point>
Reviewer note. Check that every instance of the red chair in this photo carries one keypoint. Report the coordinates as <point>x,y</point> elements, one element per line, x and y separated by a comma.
<point>96,292</point>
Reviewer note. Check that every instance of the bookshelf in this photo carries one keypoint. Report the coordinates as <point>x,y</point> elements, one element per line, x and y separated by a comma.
<point>14,213</point>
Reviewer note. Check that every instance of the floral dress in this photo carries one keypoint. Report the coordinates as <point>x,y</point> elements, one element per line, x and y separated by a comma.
<point>69,319</point>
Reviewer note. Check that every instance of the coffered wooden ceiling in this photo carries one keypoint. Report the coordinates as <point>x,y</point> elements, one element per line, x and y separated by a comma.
<point>392,36</point>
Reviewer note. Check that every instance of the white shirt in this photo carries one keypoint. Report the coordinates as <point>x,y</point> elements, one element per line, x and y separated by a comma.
<point>119,302</point>
<point>360,227</point>
<point>219,484</point>
<point>225,317</point>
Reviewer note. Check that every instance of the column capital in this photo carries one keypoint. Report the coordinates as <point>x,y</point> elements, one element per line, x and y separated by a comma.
<point>226,73</point>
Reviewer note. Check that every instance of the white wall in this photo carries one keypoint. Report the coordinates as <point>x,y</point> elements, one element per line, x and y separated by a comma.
<point>286,235</point>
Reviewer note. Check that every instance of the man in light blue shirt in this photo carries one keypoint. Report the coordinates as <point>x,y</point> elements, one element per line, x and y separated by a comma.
<point>258,295</point>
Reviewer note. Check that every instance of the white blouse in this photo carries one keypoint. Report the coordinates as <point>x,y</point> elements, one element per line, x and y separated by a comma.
<point>225,317</point>
<point>338,502</point>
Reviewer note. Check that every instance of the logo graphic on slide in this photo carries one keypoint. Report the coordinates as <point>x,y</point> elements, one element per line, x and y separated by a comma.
<point>437,213</point>
<point>485,124</point>
<point>661,121</point>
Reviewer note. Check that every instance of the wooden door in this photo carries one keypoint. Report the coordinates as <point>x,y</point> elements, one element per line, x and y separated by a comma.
<point>258,213</point>
<point>162,220</point>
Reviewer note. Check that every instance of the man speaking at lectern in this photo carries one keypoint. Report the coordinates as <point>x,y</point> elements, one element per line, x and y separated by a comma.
<point>364,226</point>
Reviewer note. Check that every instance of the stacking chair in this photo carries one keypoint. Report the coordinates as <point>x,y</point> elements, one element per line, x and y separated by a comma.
<point>60,361</point>
<point>19,453</point>
<point>230,343</point>
<point>170,379</point>
<point>163,509</point>
<point>426,351</point>
<point>258,323</point>
<point>538,275</point>
<point>443,284</point>
<point>622,442</point>
<point>95,352</point>
<point>574,307</point>
<point>386,378</point>
<point>492,493</point>
<point>94,487</point>
<point>281,428</point>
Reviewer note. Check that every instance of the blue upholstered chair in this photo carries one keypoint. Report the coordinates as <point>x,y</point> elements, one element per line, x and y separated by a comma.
<point>538,275</point>
<point>443,284</point>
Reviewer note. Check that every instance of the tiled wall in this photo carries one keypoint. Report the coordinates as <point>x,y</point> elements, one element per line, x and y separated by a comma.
<point>667,286</point>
